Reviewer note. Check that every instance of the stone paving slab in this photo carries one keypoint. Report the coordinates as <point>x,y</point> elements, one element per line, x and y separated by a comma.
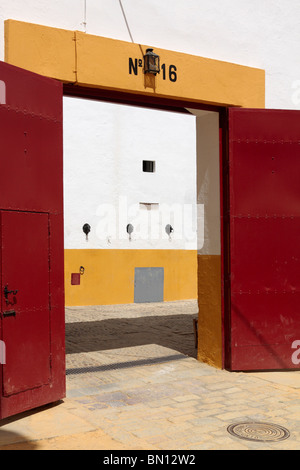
<point>141,387</point>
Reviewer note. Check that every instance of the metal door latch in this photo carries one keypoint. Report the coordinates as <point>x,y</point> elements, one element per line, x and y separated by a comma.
<point>7,292</point>
<point>9,313</point>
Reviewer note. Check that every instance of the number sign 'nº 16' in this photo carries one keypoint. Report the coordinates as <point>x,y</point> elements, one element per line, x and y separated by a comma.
<point>169,72</point>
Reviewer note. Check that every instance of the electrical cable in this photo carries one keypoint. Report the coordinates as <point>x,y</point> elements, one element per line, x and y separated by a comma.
<point>84,16</point>
<point>124,15</point>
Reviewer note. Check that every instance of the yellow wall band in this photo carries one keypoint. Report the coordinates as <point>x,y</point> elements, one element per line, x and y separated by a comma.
<point>109,274</point>
<point>97,62</point>
<point>47,51</point>
<point>210,310</point>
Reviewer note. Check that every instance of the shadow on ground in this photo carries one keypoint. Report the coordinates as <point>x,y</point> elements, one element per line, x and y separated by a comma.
<point>171,331</point>
<point>9,437</point>
<point>13,440</point>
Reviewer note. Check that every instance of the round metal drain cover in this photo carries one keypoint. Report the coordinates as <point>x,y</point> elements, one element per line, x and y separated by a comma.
<point>260,432</point>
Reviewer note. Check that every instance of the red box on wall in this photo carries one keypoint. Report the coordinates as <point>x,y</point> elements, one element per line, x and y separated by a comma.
<point>75,279</point>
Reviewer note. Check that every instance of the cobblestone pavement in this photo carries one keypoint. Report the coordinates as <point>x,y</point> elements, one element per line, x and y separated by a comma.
<point>133,382</point>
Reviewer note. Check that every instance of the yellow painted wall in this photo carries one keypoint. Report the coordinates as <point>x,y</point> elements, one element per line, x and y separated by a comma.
<point>98,62</point>
<point>109,274</point>
<point>210,310</point>
<point>105,62</point>
<point>47,51</point>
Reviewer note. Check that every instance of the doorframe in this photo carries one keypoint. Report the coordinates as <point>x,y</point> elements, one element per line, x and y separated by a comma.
<point>225,235</point>
<point>94,67</point>
<point>181,106</point>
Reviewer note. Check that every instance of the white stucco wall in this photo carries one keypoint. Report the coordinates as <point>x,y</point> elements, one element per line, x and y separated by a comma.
<point>107,142</point>
<point>208,183</point>
<point>104,146</point>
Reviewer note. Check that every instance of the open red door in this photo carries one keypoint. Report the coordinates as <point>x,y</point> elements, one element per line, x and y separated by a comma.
<point>263,329</point>
<point>32,359</point>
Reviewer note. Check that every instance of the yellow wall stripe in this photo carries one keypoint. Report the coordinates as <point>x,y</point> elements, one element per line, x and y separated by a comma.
<point>109,274</point>
<point>210,310</point>
<point>93,61</point>
<point>43,50</point>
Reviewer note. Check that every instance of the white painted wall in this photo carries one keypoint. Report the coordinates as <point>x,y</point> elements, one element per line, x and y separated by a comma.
<point>104,146</point>
<point>208,183</point>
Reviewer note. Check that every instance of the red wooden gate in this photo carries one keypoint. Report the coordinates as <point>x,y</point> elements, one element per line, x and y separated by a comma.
<point>263,330</point>
<point>31,234</point>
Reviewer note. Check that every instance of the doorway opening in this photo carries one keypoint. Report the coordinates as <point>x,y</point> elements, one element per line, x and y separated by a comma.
<point>136,300</point>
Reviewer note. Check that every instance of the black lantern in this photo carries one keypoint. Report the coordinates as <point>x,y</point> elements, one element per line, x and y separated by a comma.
<point>151,62</point>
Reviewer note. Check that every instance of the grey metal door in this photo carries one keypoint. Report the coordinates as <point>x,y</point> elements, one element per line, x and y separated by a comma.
<point>149,285</point>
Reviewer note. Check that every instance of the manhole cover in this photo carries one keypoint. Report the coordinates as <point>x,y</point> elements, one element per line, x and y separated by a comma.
<point>262,432</point>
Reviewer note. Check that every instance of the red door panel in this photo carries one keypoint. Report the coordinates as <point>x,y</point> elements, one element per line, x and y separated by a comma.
<point>32,326</point>
<point>30,161</point>
<point>264,224</point>
<point>25,312</point>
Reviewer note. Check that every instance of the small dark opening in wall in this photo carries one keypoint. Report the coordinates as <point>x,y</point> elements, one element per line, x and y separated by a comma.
<point>149,166</point>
